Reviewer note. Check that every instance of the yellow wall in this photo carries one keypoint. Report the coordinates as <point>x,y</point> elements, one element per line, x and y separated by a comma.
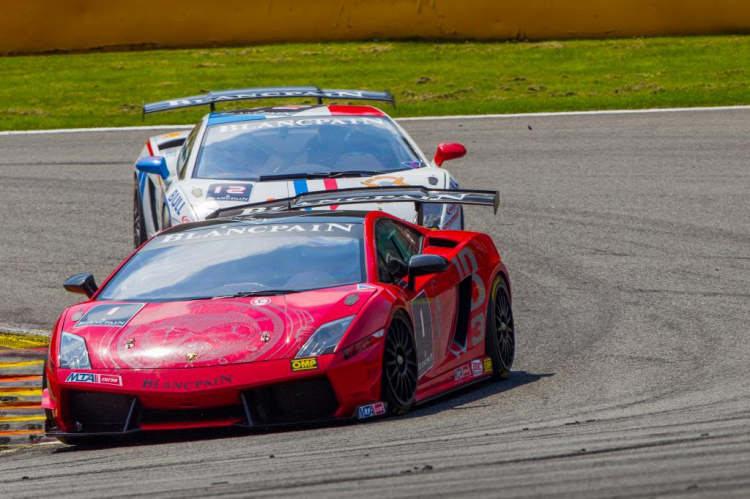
<point>28,26</point>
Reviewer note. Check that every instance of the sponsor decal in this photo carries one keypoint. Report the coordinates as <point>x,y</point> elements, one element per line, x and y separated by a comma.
<point>354,94</point>
<point>461,372</point>
<point>487,363</point>
<point>99,379</point>
<point>371,410</point>
<point>412,164</point>
<point>260,302</point>
<point>229,192</point>
<point>309,364</point>
<point>360,346</point>
<point>110,315</point>
<point>477,369</point>
<point>329,229</point>
<point>186,385</point>
<point>176,202</point>
<point>297,123</point>
<point>423,333</point>
<point>384,181</point>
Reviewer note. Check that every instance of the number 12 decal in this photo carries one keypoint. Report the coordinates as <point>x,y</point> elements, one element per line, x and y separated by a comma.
<point>229,192</point>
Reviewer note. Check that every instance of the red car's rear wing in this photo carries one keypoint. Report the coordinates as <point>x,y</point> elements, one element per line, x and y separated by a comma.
<point>402,194</point>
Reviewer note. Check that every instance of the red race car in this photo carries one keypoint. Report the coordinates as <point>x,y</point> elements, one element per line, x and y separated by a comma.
<point>277,313</point>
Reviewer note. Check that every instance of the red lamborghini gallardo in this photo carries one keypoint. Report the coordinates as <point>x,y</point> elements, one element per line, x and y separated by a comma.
<point>278,314</point>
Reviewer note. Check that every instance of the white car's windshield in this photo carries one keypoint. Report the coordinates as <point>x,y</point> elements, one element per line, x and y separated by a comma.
<point>260,149</point>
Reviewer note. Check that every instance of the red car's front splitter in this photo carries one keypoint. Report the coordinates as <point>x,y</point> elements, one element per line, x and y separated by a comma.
<point>116,402</point>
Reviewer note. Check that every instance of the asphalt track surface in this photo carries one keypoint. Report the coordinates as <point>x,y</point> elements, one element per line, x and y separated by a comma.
<point>628,241</point>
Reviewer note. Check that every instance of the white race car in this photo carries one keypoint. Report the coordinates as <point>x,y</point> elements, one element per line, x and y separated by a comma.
<point>239,157</point>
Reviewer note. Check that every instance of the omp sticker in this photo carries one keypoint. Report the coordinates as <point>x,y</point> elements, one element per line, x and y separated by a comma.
<point>423,333</point>
<point>101,379</point>
<point>229,192</point>
<point>371,410</point>
<point>309,364</point>
<point>487,364</point>
<point>111,315</point>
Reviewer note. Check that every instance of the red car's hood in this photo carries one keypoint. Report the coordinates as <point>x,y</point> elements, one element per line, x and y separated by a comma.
<point>206,332</point>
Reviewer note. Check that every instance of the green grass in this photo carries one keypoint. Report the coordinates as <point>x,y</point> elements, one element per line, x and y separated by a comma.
<point>107,89</point>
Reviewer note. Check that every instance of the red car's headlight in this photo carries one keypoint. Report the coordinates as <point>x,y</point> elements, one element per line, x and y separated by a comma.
<point>326,338</point>
<point>73,352</point>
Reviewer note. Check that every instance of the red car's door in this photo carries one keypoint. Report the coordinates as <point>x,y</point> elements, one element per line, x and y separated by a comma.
<point>432,301</point>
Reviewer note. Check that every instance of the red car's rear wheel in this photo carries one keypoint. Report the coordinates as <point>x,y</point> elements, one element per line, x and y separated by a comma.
<point>500,341</point>
<point>399,366</point>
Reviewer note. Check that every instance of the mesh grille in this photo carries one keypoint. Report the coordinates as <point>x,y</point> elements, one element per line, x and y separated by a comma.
<point>93,412</point>
<point>296,402</point>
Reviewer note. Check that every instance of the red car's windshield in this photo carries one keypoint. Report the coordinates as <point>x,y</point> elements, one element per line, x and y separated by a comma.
<point>226,260</point>
<point>249,150</point>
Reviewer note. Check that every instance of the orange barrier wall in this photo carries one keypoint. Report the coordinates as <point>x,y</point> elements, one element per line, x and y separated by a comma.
<point>30,26</point>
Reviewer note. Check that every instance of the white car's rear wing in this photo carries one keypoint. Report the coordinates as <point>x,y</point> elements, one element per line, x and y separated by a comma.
<point>211,98</point>
<point>402,194</point>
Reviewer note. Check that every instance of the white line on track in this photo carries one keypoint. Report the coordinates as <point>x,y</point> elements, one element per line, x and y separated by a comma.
<point>415,118</point>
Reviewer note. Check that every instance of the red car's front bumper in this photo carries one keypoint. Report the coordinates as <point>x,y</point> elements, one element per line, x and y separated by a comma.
<point>106,402</point>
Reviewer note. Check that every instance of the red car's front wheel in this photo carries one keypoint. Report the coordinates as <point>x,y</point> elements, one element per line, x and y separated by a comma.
<point>399,366</point>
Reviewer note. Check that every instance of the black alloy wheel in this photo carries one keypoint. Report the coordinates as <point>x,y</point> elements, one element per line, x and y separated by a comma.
<point>399,366</point>
<point>139,225</point>
<point>500,343</point>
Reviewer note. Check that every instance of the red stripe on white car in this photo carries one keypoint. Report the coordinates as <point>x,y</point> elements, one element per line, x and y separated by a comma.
<point>331,185</point>
<point>355,111</point>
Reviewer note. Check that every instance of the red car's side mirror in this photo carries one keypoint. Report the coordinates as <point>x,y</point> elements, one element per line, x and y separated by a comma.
<point>449,151</point>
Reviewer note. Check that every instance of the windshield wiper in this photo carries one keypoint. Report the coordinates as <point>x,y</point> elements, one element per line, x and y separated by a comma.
<point>348,173</point>
<point>260,292</point>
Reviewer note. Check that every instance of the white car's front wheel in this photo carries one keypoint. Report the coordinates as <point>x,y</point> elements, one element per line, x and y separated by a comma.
<point>139,225</point>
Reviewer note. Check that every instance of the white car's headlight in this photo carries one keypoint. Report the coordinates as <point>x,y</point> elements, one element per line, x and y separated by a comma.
<point>73,353</point>
<point>325,339</point>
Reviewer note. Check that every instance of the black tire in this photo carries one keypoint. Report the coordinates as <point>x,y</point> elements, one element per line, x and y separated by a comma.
<point>500,340</point>
<point>139,224</point>
<point>49,418</point>
<point>399,366</point>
